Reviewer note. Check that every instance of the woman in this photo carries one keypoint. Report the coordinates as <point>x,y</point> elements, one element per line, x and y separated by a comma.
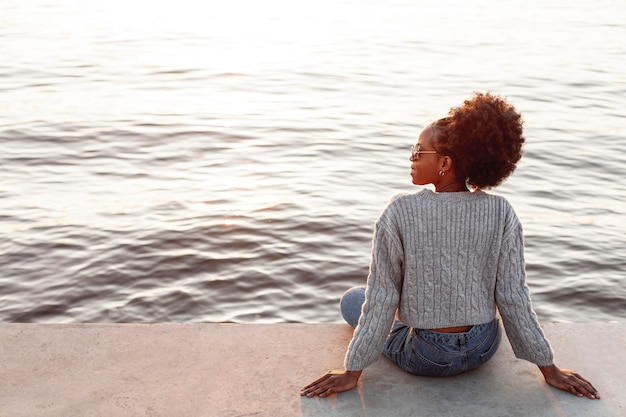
<point>443,261</point>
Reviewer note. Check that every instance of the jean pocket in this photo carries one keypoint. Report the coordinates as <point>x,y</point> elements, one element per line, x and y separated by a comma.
<point>484,357</point>
<point>420,364</point>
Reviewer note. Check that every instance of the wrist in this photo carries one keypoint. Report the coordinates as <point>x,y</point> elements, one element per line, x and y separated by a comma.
<point>547,369</point>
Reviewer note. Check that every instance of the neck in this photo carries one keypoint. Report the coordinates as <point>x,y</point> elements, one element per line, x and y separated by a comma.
<point>452,187</point>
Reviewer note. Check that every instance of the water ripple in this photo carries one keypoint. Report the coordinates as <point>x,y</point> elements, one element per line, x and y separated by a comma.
<point>170,166</point>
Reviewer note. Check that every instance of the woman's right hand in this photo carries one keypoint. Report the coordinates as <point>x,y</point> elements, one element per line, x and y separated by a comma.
<point>569,381</point>
<point>331,382</point>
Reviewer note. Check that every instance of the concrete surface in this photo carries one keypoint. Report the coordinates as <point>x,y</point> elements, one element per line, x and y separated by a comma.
<point>227,370</point>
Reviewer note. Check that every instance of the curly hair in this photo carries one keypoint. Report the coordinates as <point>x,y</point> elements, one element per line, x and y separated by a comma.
<point>484,139</point>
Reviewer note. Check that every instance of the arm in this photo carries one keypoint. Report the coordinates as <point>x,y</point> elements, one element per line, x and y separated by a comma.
<point>520,321</point>
<point>513,299</point>
<point>382,296</point>
<point>377,316</point>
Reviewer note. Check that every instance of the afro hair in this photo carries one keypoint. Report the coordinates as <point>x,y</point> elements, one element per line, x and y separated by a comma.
<point>483,137</point>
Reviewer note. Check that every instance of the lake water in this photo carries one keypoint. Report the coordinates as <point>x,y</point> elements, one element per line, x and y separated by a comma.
<point>190,161</point>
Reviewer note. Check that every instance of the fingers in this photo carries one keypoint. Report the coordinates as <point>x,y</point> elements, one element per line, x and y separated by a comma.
<point>330,383</point>
<point>316,382</point>
<point>575,384</point>
<point>326,387</point>
<point>321,387</point>
<point>583,388</point>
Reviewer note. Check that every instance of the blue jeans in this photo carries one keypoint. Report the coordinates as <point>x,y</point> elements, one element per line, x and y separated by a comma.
<point>429,353</point>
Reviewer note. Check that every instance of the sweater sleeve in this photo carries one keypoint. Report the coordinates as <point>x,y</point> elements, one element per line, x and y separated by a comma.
<point>381,299</point>
<point>513,299</point>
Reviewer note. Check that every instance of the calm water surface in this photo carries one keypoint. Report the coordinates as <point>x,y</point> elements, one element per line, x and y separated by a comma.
<point>196,161</point>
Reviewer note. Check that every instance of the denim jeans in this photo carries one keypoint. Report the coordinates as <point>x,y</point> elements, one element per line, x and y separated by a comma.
<point>429,353</point>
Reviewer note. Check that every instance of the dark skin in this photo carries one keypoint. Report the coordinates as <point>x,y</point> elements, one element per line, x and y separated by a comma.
<point>331,383</point>
<point>428,169</point>
<point>569,381</point>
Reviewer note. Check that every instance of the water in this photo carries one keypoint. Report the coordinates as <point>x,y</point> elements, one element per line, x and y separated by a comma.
<point>203,161</point>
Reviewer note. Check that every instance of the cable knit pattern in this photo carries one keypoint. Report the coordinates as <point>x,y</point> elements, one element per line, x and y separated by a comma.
<point>444,260</point>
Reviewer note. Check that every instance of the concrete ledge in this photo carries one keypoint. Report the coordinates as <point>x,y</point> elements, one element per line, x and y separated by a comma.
<point>231,370</point>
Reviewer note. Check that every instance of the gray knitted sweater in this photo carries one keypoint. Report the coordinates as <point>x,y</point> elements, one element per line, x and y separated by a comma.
<point>444,260</point>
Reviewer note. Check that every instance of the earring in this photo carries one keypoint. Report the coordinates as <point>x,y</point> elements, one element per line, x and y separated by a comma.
<point>441,173</point>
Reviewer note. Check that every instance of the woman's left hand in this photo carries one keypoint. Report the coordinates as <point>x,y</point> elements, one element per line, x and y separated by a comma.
<point>332,382</point>
<point>569,381</point>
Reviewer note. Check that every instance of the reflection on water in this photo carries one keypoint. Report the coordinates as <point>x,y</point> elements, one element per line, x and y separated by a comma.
<point>209,162</point>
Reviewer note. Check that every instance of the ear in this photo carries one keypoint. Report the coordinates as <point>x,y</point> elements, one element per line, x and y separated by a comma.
<point>445,163</point>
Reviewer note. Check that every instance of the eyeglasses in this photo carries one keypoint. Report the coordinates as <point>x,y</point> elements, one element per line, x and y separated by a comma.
<point>415,152</point>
